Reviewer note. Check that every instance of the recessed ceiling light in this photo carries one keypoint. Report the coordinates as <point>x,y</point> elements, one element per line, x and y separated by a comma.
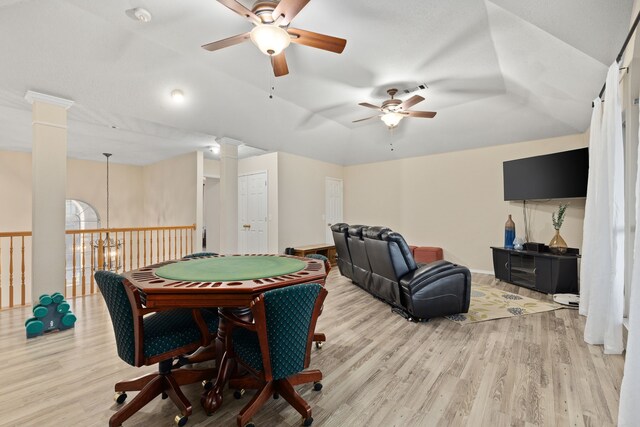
<point>215,149</point>
<point>177,96</point>
<point>139,14</point>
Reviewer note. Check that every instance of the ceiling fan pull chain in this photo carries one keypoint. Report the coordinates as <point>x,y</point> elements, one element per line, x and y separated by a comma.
<point>271,83</point>
<point>392,131</point>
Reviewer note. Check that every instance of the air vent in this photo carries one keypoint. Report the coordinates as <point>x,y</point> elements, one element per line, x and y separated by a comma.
<point>421,86</point>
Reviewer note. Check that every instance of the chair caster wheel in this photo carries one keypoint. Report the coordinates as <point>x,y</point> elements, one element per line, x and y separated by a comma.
<point>120,397</point>
<point>276,396</point>
<point>317,386</point>
<point>306,422</point>
<point>238,393</point>
<point>250,425</point>
<point>180,420</point>
<point>319,344</point>
<point>206,384</point>
<point>164,395</point>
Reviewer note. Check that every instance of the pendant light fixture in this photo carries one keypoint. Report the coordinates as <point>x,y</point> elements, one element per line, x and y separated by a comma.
<point>108,250</point>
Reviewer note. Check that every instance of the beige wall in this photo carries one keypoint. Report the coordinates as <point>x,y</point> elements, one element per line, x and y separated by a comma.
<point>15,191</point>
<point>170,191</point>
<point>212,213</point>
<point>455,200</point>
<point>86,181</point>
<point>212,168</point>
<point>301,195</point>
<point>268,163</point>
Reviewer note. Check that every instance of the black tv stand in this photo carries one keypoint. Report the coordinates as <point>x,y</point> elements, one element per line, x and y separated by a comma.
<point>540,271</point>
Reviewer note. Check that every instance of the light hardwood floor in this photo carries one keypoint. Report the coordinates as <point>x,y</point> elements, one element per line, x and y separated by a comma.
<point>380,370</point>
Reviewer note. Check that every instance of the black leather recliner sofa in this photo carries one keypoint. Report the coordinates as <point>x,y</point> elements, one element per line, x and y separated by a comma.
<point>380,261</point>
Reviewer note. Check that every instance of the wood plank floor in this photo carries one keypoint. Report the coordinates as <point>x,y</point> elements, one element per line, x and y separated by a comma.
<point>380,370</point>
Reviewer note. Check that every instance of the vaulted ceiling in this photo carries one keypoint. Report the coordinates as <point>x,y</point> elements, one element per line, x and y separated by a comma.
<point>497,72</point>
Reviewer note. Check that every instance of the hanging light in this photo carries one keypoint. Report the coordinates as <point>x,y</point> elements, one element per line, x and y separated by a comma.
<point>391,119</point>
<point>270,39</point>
<point>108,250</point>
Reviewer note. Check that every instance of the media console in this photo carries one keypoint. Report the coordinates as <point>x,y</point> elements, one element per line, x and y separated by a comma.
<point>541,271</point>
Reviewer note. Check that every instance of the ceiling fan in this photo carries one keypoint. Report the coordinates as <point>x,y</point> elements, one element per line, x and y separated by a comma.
<point>271,32</point>
<point>393,110</point>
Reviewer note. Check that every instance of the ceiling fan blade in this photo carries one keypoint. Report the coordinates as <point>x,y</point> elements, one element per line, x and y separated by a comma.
<point>424,114</point>
<point>362,120</point>
<point>279,64</point>
<point>366,104</point>
<point>288,9</point>
<point>241,10</point>
<point>411,102</point>
<point>319,41</point>
<point>226,42</point>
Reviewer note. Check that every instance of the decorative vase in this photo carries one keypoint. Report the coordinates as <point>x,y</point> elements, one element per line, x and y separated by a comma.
<point>557,245</point>
<point>509,233</point>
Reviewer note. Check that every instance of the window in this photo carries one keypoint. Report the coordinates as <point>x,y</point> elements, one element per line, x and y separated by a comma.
<point>79,216</point>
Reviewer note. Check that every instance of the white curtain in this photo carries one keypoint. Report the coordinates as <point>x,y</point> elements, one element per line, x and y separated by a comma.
<point>630,390</point>
<point>590,221</point>
<point>605,242</point>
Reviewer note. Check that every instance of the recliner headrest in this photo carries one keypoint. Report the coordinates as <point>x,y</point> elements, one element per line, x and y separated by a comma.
<point>377,232</point>
<point>397,238</point>
<point>356,230</point>
<point>339,227</point>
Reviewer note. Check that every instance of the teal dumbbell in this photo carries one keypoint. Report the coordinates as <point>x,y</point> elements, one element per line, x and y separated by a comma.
<point>68,319</point>
<point>40,311</point>
<point>63,307</point>
<point>34,327</point>
<point>45,299</point>
<point>57,297</point>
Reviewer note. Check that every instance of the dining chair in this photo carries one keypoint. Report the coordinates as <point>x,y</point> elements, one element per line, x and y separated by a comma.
<point>320,338</point>
<point>199,255</point>
<point>145,337</point>
<point>275,349</point>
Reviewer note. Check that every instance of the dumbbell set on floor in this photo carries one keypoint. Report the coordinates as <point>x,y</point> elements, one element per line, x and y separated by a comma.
<point>52,313</point>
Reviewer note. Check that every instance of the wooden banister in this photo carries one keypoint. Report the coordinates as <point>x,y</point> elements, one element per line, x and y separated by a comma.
<point>128,250</point>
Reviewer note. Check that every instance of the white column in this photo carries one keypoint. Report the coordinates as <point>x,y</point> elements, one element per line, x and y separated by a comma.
<point>197,247</point>
<point>49,169</point>
<point>228,195</point>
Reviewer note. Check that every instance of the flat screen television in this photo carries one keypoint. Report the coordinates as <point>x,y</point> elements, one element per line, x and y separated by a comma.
<point>560,175</point>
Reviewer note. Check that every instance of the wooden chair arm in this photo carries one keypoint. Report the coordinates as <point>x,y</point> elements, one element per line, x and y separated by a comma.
<point>202,325</point>
<point>233,321</point>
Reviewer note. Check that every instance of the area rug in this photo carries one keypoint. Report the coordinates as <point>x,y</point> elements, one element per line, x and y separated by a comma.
<point>490,303</point>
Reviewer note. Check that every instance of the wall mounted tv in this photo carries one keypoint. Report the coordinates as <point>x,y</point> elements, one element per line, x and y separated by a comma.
<point>560,175</point>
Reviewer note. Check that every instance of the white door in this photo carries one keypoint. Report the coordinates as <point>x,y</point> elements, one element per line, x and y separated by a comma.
<point>333,205</point>
<point>252,213</point>
<point>243,222</point>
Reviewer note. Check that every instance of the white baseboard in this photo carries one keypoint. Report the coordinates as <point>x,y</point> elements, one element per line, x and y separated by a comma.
<point>490,272</point>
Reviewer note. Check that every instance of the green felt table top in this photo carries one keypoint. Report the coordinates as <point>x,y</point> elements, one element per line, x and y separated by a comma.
<point>226,269</point>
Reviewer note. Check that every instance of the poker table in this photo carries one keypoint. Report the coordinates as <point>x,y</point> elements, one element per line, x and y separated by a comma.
<point>227,282</point>
<point>221,281</point>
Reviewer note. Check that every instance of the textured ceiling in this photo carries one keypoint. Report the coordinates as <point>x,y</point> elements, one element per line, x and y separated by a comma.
<point>498,71</point>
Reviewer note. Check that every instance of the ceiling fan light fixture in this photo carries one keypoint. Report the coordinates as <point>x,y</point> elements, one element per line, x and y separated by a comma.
<point>139,14</point>
<point>391,119</point>
<point>270,39</point>
<point>177,96</point>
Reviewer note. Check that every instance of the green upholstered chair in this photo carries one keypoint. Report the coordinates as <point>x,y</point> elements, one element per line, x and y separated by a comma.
<point>275,348</point>
<point>199,255</point>
<point>145,337</point>
<point>318,337</point>
<point>322,258</point>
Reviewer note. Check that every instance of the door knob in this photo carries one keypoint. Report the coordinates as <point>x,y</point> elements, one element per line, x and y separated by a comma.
<point>246,226</point>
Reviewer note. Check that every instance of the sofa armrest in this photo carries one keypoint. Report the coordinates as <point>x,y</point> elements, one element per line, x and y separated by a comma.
<point>419,280</point>
<point>425,271</point>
